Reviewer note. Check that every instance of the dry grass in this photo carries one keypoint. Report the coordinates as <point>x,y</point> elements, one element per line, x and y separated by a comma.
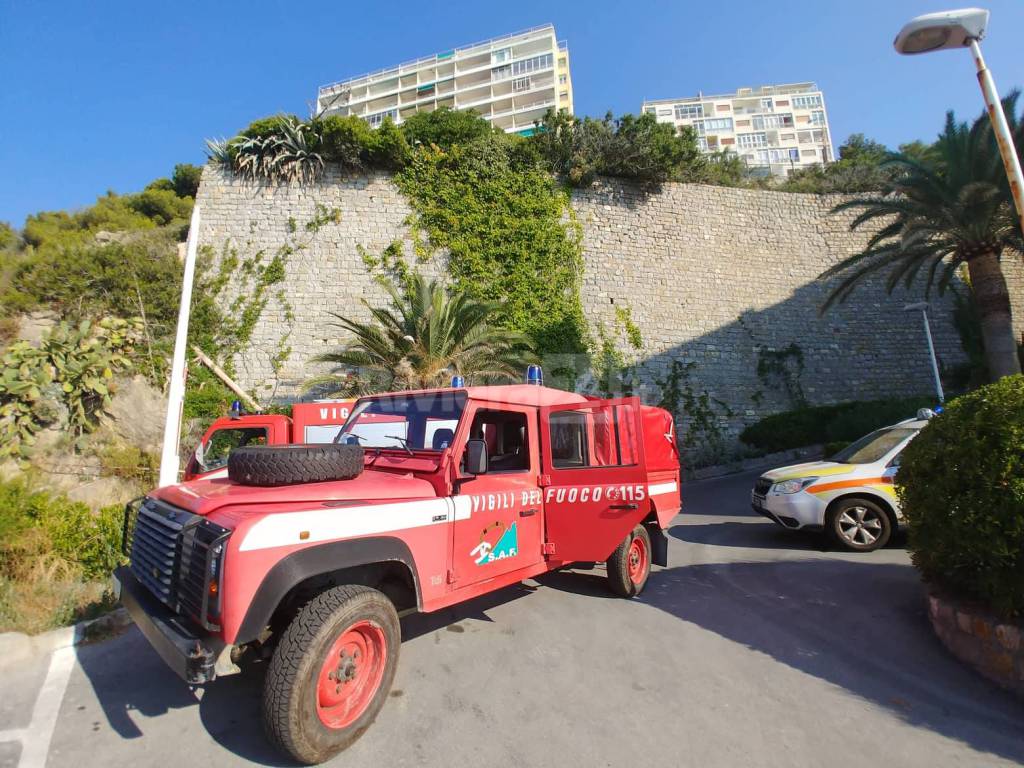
<point>48,592</point>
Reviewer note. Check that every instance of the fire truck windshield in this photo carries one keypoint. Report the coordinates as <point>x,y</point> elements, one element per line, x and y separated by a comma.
<point>422,422</point>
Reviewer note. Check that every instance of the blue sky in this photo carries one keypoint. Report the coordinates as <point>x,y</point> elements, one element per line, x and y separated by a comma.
<point>109,95</point>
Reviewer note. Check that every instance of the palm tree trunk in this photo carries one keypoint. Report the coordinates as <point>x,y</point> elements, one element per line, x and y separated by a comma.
<point>993,302</point>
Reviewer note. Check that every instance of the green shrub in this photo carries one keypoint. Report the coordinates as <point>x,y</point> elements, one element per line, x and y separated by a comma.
<point>445,127</point>
<point>842,423</point>
<point>36,524</point>
<point>55,558</point>
<point>345,140</point>
<point>638,148</point>
<point>962,491</point>
<point>185,179</point>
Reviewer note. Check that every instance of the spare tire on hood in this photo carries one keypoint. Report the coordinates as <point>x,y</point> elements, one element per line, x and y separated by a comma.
<point>270,465</point>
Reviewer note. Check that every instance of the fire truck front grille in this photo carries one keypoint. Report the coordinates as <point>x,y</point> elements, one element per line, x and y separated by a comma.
<point>176,555</point>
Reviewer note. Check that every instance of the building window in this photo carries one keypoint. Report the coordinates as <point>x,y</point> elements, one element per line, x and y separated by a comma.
<point>804,137</point>
<point>537,63</point>
<point>564,95</point>
<point>563,79</point>
<point>702,143</point>
<point>689,111</point>
<point>500,57</point>
<point>651,110</point>
<point>521,84</point>
<point>561,61</point>
<point>766,105</point>
<point>809,152</point>
<point>752,139</point>
<point>761,122</point>
<point>806,102</point>
<point>777,156</point>
<point>377,118</point>
<point>818,117</point>
<point>712,124</point>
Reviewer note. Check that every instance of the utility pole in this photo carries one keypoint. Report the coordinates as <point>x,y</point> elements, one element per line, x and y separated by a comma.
<point>169,460</point>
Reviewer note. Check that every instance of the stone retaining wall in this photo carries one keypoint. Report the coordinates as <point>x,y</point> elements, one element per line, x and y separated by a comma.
<point>715,278</point>
<point>980,640</point>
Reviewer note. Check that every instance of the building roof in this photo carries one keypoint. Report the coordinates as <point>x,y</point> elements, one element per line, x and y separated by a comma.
<point>744,93</point>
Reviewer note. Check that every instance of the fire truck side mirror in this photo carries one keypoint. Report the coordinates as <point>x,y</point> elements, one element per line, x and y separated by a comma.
<point>476,457</point>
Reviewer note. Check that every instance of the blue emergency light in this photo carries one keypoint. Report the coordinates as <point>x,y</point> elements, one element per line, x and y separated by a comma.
<point>236,409</point>
<point>458,381</point>
<point>534,375</point>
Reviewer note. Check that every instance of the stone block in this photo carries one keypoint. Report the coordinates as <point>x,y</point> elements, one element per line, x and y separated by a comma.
<point>1008,636</point>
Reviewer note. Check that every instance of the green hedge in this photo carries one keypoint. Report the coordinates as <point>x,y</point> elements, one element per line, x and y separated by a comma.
<point>829,424</point>
<point>962,491</point>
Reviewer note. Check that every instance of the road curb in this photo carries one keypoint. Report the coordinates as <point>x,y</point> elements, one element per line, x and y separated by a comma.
<point>16,647</point>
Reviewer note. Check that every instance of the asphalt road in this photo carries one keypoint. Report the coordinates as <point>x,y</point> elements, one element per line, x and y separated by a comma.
<point>754,648</point>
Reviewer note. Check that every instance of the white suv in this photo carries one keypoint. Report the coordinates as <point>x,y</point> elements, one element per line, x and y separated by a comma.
<point>849,496</point>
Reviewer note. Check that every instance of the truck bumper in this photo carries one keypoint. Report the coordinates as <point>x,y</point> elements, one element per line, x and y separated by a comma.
<point>191,656</point>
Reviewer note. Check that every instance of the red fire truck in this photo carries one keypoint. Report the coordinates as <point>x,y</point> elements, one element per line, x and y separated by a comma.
<point>317,422</point>
<point>307,555</point>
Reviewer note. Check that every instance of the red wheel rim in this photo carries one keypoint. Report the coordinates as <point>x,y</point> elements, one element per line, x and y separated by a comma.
<point>637,560</point>
<point>351,674</point>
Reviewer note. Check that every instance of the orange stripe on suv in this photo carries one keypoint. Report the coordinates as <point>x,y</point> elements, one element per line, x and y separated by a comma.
<point>846,484</point>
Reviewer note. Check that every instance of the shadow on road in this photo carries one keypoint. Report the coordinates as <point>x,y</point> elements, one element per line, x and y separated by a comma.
<point>754,534</point>
<point>858,625</point>
<point>229,708</point>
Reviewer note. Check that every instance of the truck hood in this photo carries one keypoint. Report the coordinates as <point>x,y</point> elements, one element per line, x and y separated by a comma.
<point>204,496</point>
<point>809,469</point>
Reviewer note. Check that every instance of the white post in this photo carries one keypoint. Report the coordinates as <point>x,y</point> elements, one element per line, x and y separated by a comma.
<point>931,353</point>
<point>169,461</point>
<point>1002,130</point>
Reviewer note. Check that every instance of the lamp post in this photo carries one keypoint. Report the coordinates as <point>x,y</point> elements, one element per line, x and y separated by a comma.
<point>923,306</point>
<point>965,28</point>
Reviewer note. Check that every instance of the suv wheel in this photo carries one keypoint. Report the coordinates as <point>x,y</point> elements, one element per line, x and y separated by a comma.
<point>630,564</point>
<point>331,673</point>
<point>860,525</point>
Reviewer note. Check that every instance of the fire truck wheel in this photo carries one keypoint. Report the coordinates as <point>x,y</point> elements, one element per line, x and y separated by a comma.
<point>331,673</point>
<point>269,465</point>
<point>630,564</point>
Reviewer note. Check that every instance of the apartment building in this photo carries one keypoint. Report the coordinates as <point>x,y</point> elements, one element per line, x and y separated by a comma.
<point>510,80</point>
<point>774,128</point>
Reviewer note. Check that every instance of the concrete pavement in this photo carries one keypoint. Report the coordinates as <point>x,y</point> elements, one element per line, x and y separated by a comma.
<point>754,648</point>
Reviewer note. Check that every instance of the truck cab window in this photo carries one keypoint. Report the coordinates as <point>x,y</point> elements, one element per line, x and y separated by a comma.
<point>223,441</point>
<point>508,447</point>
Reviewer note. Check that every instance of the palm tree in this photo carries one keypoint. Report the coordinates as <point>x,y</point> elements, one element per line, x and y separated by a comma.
<point>425,337</point>
<point>940,214</point>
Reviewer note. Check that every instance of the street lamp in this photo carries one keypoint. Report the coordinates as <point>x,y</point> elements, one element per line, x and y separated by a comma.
<point>923,306</point>
<point>960,29</point>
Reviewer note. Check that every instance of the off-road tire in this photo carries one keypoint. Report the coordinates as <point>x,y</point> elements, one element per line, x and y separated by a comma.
<point>877,524</point>
<point>290,690</point>
<point>269,465</point>
<point>630,564</point>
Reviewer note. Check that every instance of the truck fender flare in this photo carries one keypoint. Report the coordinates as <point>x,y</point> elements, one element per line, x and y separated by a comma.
<point>313,561</point>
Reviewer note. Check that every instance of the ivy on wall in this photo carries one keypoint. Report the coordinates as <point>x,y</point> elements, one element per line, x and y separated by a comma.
<point>254,281</point>
<point>510,235</point>
<point>702,436</point>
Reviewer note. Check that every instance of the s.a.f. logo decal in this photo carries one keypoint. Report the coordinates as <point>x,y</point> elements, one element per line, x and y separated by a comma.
<point>496,543</point>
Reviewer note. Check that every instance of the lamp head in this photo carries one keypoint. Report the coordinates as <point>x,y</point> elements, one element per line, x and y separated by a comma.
<point>937,31</point>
